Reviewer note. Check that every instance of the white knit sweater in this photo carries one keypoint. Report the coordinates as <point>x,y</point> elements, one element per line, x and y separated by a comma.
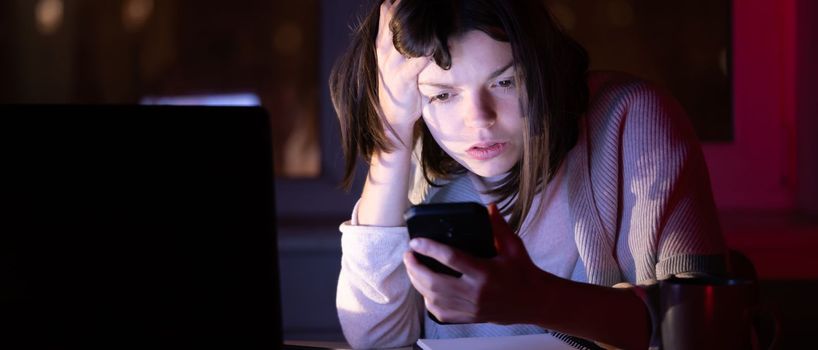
<point>639,204</point>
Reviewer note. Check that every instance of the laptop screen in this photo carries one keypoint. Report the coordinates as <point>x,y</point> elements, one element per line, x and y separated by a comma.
<point>137,226</point>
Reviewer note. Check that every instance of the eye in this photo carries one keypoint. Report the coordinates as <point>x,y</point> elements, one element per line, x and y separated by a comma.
<point>440,97</point>
<point>506,83</point>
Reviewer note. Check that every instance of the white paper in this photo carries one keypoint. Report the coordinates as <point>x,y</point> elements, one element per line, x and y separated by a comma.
<point>519,342</point>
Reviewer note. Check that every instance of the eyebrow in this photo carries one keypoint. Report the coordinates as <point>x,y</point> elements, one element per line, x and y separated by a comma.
<point>493,75</point>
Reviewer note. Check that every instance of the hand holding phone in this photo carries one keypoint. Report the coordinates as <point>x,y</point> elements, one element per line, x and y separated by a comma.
<point>464,226</point>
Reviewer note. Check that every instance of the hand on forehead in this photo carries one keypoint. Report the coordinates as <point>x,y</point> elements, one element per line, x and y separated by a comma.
<point>476,57</point>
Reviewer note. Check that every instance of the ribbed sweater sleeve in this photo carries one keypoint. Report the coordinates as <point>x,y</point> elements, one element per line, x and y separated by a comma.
<point>667,190</point>
<point>668,223</point>
<point>645,212</point>
<point>642,203</point>
<point>377,305</point>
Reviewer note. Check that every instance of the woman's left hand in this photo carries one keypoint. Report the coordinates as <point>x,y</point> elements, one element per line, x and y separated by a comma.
<point>505,289</point>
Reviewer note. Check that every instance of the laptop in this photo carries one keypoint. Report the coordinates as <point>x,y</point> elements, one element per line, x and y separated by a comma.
<point>137,227</point>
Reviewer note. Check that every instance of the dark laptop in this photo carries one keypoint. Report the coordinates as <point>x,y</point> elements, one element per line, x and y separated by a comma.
<point>137,227</point>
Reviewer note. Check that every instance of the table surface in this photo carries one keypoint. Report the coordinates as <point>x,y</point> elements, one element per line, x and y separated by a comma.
<point>329,344</point>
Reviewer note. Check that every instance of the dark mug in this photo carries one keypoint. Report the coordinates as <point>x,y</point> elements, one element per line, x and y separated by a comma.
<point>699,313</point>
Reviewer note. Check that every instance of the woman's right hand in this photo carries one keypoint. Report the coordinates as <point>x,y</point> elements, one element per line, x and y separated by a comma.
<point>383,199</point>
<point>399,98</point>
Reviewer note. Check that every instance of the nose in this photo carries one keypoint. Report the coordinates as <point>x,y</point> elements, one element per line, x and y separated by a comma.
<point>480,111</point>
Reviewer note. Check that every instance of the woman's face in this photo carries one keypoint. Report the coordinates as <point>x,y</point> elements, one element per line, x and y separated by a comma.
<point>473,109</point>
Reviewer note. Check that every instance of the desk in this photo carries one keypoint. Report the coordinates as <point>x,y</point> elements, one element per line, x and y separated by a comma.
<point>329,344</point>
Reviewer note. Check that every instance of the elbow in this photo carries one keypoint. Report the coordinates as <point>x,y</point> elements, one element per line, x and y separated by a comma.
<point>363,331</point>
<point>359,338</point>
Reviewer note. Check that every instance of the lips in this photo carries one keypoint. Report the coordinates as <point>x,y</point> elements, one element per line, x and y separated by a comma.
<point>487,150</point>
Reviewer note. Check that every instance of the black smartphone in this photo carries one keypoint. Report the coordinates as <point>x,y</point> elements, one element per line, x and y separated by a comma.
<point>464,225</point>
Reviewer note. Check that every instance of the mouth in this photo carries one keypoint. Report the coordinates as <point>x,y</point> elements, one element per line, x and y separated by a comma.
<point>486,150</point>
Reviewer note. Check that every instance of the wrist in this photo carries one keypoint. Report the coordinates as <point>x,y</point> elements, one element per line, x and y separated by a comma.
<point>548,299</point>
<point>400,138</point>
<point>402,132</point>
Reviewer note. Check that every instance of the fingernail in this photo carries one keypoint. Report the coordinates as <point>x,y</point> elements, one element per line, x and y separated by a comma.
<point>414,244</point>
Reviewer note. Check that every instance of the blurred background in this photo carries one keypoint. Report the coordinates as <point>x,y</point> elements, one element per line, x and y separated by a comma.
<point>171,51</point>
<point>743,69</point>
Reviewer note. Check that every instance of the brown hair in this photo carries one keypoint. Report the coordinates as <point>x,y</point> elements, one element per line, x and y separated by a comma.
<point>549,64</point>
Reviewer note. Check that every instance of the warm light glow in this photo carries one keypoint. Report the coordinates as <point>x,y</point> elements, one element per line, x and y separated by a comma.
<point>620,13</point>
<point>48,15</point>
<point>302,157</point>
<point>288,38</point>
<point>723,61</point>
<point>135,13</point>
<point>564,14</point>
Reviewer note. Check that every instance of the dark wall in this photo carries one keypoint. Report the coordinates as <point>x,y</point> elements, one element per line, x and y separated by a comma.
<point>806,105</point>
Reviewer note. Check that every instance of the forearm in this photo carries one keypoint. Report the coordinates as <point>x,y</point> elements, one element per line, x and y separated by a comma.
<point>384,315</point>
<point>612,316</point>
<point>377,306</point>
<point>384,197</point>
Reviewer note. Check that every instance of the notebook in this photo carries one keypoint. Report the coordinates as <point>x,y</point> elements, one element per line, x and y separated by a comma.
<point>137,227</point>
<point>527,342</point>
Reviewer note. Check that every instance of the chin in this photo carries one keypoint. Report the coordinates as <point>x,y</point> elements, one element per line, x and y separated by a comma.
<point>489,170</point>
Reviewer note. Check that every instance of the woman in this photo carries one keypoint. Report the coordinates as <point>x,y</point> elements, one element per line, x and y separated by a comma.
<point>598,175</point>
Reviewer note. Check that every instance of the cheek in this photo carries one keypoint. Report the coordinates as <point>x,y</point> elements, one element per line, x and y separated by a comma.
<point>429,115</point>
<point>439,127</point>
<point>508,104</point>
<point>511,115</point>
<point>441,120</point>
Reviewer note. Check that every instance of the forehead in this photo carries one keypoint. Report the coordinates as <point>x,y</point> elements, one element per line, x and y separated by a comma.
<point>475,55</point>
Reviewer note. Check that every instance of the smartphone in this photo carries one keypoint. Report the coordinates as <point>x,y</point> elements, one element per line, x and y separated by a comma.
<point>463,225</point>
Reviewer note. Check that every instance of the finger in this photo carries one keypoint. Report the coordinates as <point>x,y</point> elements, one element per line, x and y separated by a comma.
<point>417,272</point>
<point>424,279</point>
<point>383,40</point>
<point>420,277</point>
<point>407,70</point>
<point>451,257</point>
<point>431,281</point>
<point>506,242</point>
<point>413,66</point>
<point>386,11</point>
